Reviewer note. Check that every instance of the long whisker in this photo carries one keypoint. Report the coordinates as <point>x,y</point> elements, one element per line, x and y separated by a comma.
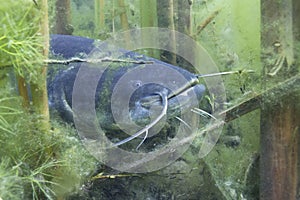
<point>202,113</point>
<point>224,73</point>
<point>147,127</point>
<point>146,135</point>
<point>185,123</point>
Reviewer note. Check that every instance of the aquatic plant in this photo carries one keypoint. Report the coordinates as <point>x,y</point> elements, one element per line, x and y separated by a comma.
<point>20,43</point>
<point>26,169</point>
<point>10,182</point>
<point>35,163</point>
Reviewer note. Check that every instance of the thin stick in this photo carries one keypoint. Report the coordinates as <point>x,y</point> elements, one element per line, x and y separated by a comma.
<point>224,73</point>
<point>206,22</point>
<point>106,59</point>
<point>146,135</point>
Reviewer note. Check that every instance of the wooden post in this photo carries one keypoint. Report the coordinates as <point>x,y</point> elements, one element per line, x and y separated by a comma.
<point>63,17</point>
<point>184,16</point>
<point>184,8</point>
<point>22,86</point>
<point>123,15</point>
<point>124,22</point>
<point>279,117</point>
<point>39,90</point>
<point>148,18</point>
<point>171,26</point>
<point>99,16</point>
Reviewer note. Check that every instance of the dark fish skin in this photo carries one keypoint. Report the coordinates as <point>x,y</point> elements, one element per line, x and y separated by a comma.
<point>60,84</point>
<point>70,46</point>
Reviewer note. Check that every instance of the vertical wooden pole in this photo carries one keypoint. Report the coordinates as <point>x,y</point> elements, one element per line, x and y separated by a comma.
<point>22,86</point>
<point>148,13</point>
<point>184,8</point>
<point>124,21</point>
<point>99,16</point>
<point>123,15</point>
<point>148,19</point>
<point>39,90</point>
<point>63,17</point>
<point>279,117</point>
<point>279,150</point>
<point>184,16</point>
<point>172,43</point>
<point>165,19</point>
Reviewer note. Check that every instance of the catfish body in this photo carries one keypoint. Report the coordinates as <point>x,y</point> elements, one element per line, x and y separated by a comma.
<point>144,103</point>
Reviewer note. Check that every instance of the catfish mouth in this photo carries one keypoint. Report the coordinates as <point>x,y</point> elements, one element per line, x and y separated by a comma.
<point>169,104</point>
<point>180,101</point>
<point>155,98</point>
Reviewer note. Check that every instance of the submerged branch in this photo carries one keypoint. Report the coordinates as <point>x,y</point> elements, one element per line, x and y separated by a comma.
<point>106,59</point>
<point>206,22</point>
<point>225,73</point>
<point>82,60</point>
<point>22,86</point>
<point>274,94</point>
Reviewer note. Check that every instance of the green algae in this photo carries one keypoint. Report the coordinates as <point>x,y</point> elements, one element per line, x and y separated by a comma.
<point>24,158</point>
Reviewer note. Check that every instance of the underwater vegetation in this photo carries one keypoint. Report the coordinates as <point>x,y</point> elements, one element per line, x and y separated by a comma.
<point>27,171</point>
<point>42,158</point>
<point>34,164</point>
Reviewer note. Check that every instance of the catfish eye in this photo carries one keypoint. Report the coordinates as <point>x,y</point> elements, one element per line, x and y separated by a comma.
<point>136,83</point>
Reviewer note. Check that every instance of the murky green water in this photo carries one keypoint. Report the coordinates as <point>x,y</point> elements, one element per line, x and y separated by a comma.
<point>234,147</point>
